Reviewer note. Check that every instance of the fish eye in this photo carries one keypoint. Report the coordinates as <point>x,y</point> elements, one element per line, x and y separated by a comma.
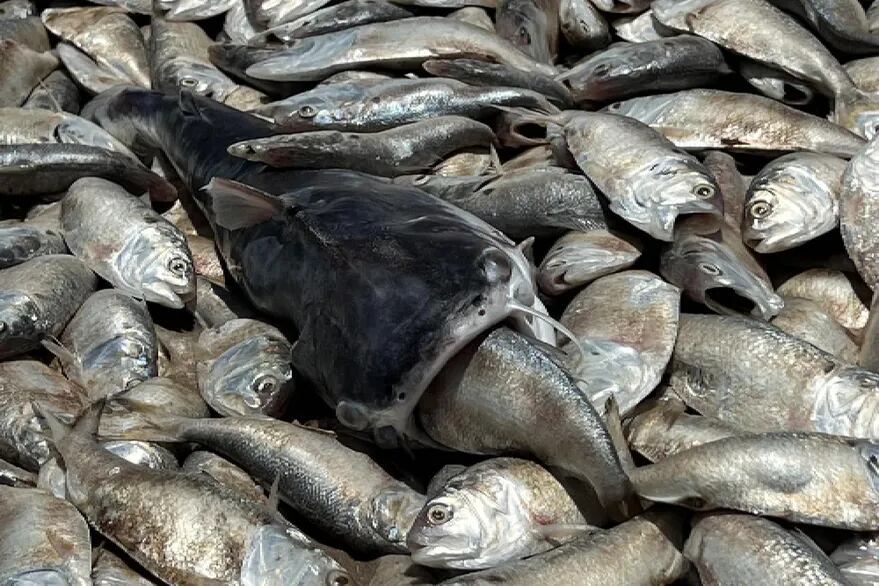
<point>523,34</point>
<point>710,269</point>
<point>421,180</point>
<point>337,578</point>
<point>188,82</point>
<point>704,190</point>
<point>264,384</point>
<point>307,111</point>
<point>439,513</point>
<point>760,209</point>
<point>614,107</point>
<point>178,266</point>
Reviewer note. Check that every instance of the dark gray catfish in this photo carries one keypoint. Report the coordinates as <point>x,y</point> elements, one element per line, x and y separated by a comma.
<point>428,277</point>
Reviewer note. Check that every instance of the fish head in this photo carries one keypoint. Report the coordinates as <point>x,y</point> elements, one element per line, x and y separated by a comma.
<point>199,78</point>
<point>709,272</point>
<point>21,323</point>
<point>583,257</point>
<point>309,58</point>
<point>321,107</point>
<point>785,207</point>
<point>665,190</point>
<point>157,264</point>
<point>281,556</point>
<point>253,377</point>
<point>473,523</point>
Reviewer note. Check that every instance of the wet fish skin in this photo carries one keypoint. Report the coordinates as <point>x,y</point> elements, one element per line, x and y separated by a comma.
<point>857,559</point>
<point>343,492</point>
<point>108,36</point>
<point>627,69</point>
<point>237,27</point>
<point>403,150</point>
<point>108,569</point>
<point>664,429</point>
<point>858,198</point>
<point>864,73</point>
<point>629,321</point>
<point>12,475</point>
<point>840,24</point>
<point>494,512</point>
<point>216,305</point>
<point>367,46</point>
<point>714,119</point>
<point>483,73</point>
<point>580,257</point>
<point>801,477</point>
<point>643,551</point>
<point>833,291</point>
<point>792,200</point>
<point>182,527</point>
<point>38,298</point>
<point>530,25</point>
<point>272,13</point>
<point>17,9</point>
<point>722,21</point>
<point>245,368</point>
<point>56,92</point>
<point>776,84</point>
<point>471,408</point>
<point>721,546</point>
<point>146,454</point>
<point>806,320</point>
<point>23,435</point>
<point>87,73</point>
<point>758,378</point>
<point>31,126</point>
<point>466,163</point>
<point>37,169</point>
<point>475,15</point>
<point>28,31</point>
<point>582,25</point>
<point>22,242</point>
<point>44,539</point>
<point>873,17</point>
<point>190,10</point>
<point>110,344</point>
<point>132,246</point>
<point>224,472</point>
<point>21,69</point>
<point>530,202</point>
<point>334,18</point>
<point>639,29</point>
<point>391,103</point>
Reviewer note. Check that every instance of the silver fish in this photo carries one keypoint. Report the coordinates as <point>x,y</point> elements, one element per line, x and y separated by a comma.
<point>406,149</point>
<point>865,73</point>
<point>110,344</point>
<point>832,291</point>
<point>38,298</point>
<point>722,547</point>
<point>715,119</point>
<point>805,478</point>
<point>806,320</point>
<point>792,200</point>
<point>665,429</point>
<point>644,551</point>
<point>21,69</point>
<point>758,378</point>
<point>374,45</point>
<point>475,15</point>
<point>21,242</point>
<point>342,491</point>
<point>224,472</point>
<point>237,27</point>
<point>23,436</point>
<point>216,305</point>
<point>859,195</point>
<point>776,84</point>
<point>719,271</point>
<point>184,528</point>
<point>842,24</point>
<point>648,181</point>
<point>482,73</point>
<point>630,321</point>
<point>530,25</point>
<point>110,570</point>
<point>17,9</point>
<point>639,29</point>
<point>189,10</point>
<point>494,512</point>
<point>622,6</point>
<point>858,559</point>
<point>12,475</point>
<point>127,243</point>
<point>56,92</point>
<point>44,540</point>
<point>472,407</point>
<point>86,71</point>
<point>152,456</point>
<point>626,69</point>
<point>582,25</point>
<point>28,31</point>
<point>245,368</point>
<point>580,257</point>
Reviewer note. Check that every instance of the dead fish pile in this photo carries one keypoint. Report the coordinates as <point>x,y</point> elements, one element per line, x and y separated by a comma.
<point>385,292</point>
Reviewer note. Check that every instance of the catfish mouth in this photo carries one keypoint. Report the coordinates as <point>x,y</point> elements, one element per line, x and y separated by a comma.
<point>728,300</point>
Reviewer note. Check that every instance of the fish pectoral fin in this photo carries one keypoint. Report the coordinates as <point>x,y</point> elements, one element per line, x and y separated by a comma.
<point>559,533</point>
<point>58,350</point>
<point>236,206</point>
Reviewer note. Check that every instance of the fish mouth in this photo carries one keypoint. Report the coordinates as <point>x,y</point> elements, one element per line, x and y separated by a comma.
<point>728,300</point>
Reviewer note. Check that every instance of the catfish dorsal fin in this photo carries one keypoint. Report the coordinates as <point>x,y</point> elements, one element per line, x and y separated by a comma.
<point>236,206</point>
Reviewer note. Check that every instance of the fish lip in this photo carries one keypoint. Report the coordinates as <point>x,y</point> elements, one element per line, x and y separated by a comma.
<point>764,309</point>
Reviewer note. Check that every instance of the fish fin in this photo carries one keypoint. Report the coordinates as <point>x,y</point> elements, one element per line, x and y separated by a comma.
<point>526,247</point>
<point>559,533</point>
<point>238,206</point>
<point>55,103</point>
<point>88,421</point>
<point>614,425</point>
<point>495,160</point>
<point>53,345</point>
<point>534,115</point>
<point>271,505</point>
<point>57,430</point>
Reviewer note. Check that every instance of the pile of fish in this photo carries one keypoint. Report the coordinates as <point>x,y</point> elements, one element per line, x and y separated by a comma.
<point>386,292</point>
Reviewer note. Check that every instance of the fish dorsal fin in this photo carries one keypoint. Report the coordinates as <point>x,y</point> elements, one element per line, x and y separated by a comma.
<point>238,206</point>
